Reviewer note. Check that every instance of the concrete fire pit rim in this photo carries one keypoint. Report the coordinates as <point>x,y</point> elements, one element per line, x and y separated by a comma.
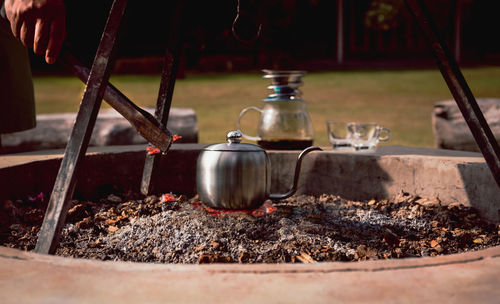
<point>263,268</point>
<point>10,160</point>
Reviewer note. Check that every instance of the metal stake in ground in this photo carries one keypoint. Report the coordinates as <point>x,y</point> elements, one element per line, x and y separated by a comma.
<point>62,192</point>
<point>458,87</point>
<point>166,91</point>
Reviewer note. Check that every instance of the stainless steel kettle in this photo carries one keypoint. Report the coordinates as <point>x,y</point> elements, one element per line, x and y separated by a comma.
<point>236,175</point>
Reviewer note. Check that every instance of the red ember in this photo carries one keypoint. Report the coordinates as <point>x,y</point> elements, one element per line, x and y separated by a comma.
<point>152,150</point>
<point>176,137</point>
<point>165,198</point>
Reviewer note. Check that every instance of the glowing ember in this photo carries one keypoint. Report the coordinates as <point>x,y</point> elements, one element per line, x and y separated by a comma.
<point>165,198</point>
<point>152,150</point>
<point>176,137</point>
<point>263,210</point>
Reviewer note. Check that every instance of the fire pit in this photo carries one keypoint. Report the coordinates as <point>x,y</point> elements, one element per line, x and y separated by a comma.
<point>349,207</point>
<point>301,229</point>
<point>111,221</point>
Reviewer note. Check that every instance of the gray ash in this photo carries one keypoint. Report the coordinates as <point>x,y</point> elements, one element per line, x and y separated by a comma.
<point>304,229</point>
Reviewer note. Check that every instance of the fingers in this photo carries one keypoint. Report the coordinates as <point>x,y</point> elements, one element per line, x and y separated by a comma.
<point>27,33</point>
<point>40,25</point>
<point>41,39</point>
<point>13,17</point>
<point>56,38</point>
<point>16,25</point>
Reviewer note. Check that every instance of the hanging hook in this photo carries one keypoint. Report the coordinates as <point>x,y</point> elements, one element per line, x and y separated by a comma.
<point>241,25</point>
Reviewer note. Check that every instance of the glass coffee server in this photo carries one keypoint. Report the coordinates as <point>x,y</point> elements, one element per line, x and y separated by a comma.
<point>284,122</point>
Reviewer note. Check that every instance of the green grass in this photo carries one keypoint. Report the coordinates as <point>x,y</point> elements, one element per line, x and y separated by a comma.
<point>400,100</point>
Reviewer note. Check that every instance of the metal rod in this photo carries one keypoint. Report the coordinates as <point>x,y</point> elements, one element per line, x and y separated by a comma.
<point>458,87</point>
<point>64,186</point>
<point>143,122</point>
<point>457,43</point>
<point>165,94</point>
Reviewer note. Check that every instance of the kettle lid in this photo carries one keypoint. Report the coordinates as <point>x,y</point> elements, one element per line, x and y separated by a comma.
<point>234,144</point>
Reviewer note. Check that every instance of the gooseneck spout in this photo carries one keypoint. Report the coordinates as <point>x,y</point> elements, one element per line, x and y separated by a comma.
<point>297,174</point>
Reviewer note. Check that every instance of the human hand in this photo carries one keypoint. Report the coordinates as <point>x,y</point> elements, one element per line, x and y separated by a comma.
<point>39,24</point>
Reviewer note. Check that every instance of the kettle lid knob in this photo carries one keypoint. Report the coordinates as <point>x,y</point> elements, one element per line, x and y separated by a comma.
<point>234,137</point>
<point>234,144</point>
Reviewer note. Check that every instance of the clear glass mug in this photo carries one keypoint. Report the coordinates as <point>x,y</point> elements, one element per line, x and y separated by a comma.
<point>338,135</point>
<point>284,122</point>
<point>366,136</point>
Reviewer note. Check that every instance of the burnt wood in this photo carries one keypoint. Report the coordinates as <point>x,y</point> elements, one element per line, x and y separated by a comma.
<point>62,192</point>
<point>458,87</point>
<point>141,120</point>
<point>166,91</point>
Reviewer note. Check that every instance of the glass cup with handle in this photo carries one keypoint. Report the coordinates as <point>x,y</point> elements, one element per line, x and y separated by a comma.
<point>339,135</point>
<point>366,136</point>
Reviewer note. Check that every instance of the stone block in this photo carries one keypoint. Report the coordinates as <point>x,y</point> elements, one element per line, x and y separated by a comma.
<point>53,131</point>
<point>452,132</point>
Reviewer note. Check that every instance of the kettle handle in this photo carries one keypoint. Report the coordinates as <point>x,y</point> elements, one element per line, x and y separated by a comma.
<point>297,174</point>
<point>256,138</point>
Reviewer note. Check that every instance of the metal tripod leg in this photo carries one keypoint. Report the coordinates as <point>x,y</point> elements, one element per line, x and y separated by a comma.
<point>166,91</point>
<point>143,122</point>
<point>458,87</point>
<point>97,82</point>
